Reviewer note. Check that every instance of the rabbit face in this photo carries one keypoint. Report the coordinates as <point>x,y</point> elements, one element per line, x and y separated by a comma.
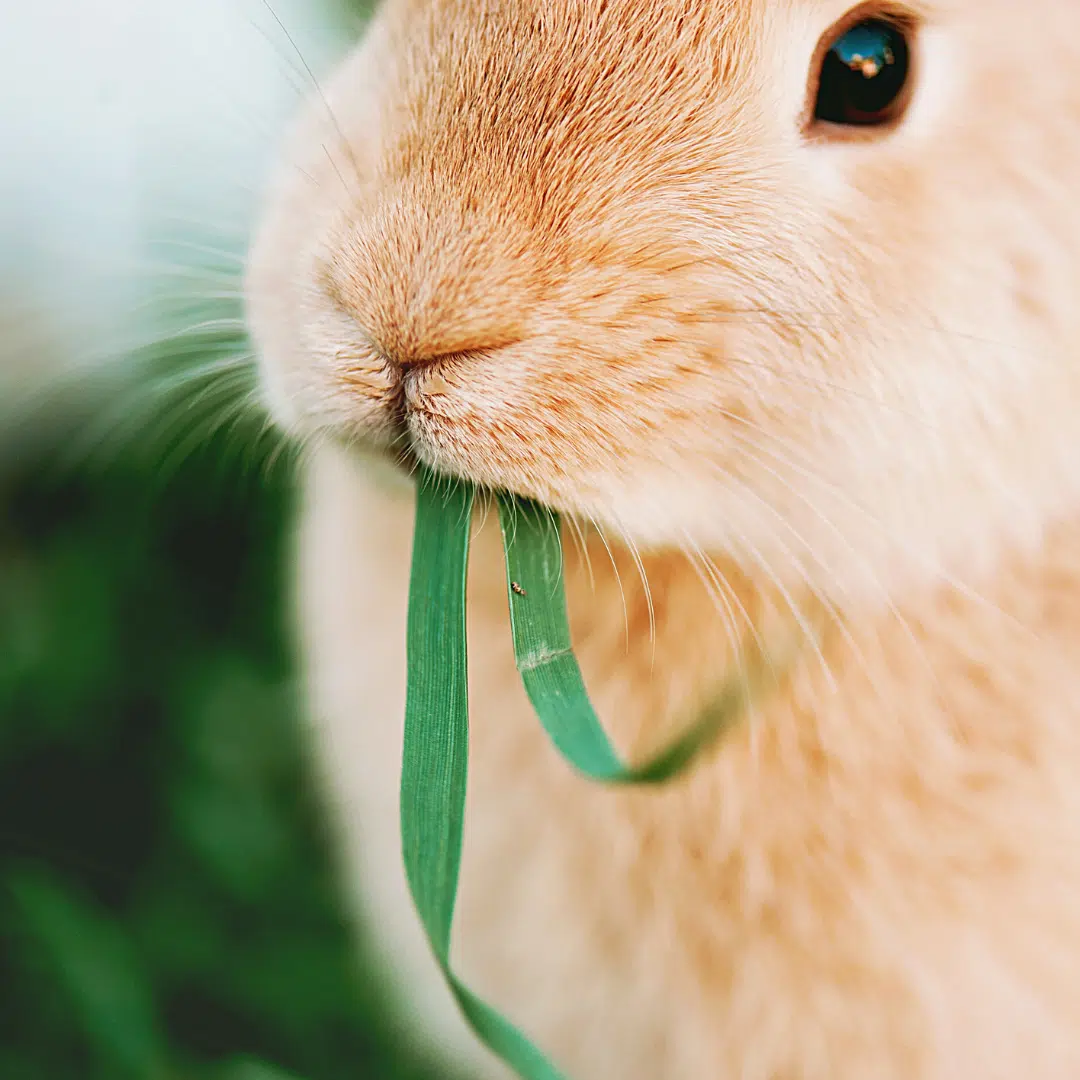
<point>694,273</point>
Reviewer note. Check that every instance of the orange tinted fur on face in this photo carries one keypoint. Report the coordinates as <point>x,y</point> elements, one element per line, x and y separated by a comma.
<point>588,251</point>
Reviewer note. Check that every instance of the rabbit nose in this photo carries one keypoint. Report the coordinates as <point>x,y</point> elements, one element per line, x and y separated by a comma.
<point>432,283</point>
<point>430,364</point>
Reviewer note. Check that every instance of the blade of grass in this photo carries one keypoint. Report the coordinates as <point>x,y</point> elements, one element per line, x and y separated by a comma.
<point>435,755</point>
<point>545,659</point>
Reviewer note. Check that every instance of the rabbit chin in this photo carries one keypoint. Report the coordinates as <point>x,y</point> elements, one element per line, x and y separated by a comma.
<point>827,518</point>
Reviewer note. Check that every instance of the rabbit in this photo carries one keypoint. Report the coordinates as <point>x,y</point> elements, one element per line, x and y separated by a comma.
<point>777,304</point>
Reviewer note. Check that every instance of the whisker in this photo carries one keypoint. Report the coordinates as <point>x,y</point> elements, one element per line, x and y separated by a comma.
<point>618,581</point>
<point>631,546</point>
<point>718,589</point>
<point>845,499</point>
<point>319,90</point>
<point>228,255</point>
<point>562,558</point>
<point>797,613</point>
<point>857,651</point>
<point>582,546</point>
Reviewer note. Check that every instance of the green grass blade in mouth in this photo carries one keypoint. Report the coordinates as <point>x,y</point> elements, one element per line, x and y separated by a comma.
<point>550,672</point>
<point>435,759</point>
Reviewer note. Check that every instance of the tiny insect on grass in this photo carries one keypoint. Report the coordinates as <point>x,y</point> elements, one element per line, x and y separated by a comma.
<point>435,754</point>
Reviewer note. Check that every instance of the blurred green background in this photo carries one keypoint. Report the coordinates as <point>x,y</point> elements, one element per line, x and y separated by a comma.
<point>168,901</point>
<point>168,897</point>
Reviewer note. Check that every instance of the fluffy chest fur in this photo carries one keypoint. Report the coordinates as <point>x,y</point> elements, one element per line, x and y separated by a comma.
<point>877,876</point>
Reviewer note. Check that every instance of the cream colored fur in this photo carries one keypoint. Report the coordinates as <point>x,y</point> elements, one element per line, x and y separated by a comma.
<point>769,378</point>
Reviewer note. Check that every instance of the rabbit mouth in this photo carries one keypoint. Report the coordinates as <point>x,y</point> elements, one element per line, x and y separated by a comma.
<point>411,430</point>
<point>429,425</point>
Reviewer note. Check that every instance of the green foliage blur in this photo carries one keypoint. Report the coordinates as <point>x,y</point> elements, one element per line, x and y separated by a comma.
<point>169,906</point>
<point>168,902</point>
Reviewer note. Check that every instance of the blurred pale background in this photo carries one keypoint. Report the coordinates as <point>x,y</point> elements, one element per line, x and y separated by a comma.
<point>127,124</point>
<point>168,904</point>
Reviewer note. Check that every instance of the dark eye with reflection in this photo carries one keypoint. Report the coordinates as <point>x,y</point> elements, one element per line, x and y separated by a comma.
<point>863,81</point>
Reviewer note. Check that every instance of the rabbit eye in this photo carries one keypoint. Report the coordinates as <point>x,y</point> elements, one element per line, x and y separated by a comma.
<point>864,75</point>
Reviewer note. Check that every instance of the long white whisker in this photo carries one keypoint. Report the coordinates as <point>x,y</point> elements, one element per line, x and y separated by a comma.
<point>581,544</point>
<point>618,579</point>
<point>845,500</point>
<point>719,590</point>
<point>631,546</point>
<point>345,144</point>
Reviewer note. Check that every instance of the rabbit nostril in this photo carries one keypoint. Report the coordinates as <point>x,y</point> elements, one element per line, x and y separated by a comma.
<point>436,384</point>
<point>413,362</point>
<point>420,384</point>
<point>409,362</point>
